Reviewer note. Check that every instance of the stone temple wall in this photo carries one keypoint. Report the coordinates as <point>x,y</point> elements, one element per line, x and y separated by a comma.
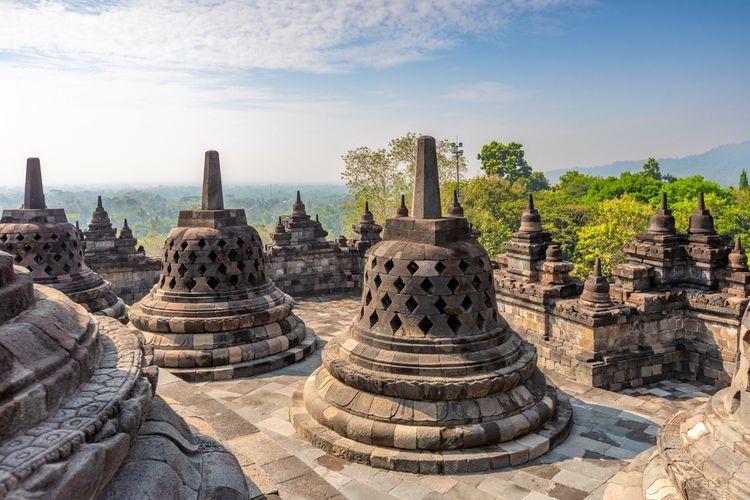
<point>303,263</point>
<point>131,278</point>
<point>304,272</point>
<point>117,259</point>
<point>674,310</point>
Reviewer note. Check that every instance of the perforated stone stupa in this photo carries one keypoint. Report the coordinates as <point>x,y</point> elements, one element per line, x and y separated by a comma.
<point>214,313</point>
<point>428,378</point>
<point>43,241</point>
<point>79,418</point>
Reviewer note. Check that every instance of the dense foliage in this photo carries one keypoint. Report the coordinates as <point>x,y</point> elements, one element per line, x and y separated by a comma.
<point>593,216</point>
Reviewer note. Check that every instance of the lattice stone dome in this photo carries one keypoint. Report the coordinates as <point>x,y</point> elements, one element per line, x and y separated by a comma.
<point>43,241</point>
<point>428,367</point>
<point>214,313</point>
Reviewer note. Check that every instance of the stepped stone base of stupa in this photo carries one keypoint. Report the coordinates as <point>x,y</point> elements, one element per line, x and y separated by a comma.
<point>377,440</point>
<point>700,454</point>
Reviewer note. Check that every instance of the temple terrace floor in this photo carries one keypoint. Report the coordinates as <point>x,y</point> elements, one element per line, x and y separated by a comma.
<point>251,416</point>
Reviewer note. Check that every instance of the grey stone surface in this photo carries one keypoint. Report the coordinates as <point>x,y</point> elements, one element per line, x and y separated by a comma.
<point>426,201</point>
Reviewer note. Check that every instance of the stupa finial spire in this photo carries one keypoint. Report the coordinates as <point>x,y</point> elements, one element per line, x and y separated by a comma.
<point>213,196</point>
<point>701,201</point>
<point>99,202</point>
<point>598,267</point>
<point>531,203</point>
<point>402,211</point>
<point>426,202</point>
<point>33,197</point>
<point>663,203</point>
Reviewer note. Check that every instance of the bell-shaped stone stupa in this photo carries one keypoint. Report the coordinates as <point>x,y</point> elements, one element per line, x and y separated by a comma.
<point>43,241</point>
<point>214,314</point>
<point>79,417</point>
<point>428,378</point>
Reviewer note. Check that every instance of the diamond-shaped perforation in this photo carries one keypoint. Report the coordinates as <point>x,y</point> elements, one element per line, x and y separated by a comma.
<point>232,254</point>
<point>66,267</point>
<point>221,243</point>
<point>37,236</point>
<point>377,281</point>
<point>190,284</point>
<point>454,323</point>
<point>241,265</point>
<point>440,267</point>
<point>477,283</point>
<point>411,304</point>
<point>399,284</point>
<point>386,302</point>
<point>176,256</point>
<point>240,242</point>
<point>212,255</point>
<point>368,298</point>
<point>466,303</point>
<point>184,245</point>
<point>222,268</point>
<point>463,265</point>
<point>453,285</point>
<point>172,283</point>
<point>412,267</point>
<point>388,265</point>
<point>373,318</point>
<point>374,262</point>
<point>233,280</point>
<point>440,305</point>
<point>395,323</point>
<point>202,269</point>
<point>213,282</point>
<point>426,285</point>
<point>181,270</point>
<point>425,325</point>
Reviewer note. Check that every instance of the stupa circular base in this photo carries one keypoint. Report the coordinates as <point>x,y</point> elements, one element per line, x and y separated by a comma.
<point>699,454</point>
<point>496,456</point>
<point>251,367</point>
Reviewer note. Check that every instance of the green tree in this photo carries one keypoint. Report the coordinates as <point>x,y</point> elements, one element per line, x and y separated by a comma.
<point>374,176</point>
<point>651,169</point>
<point>403,150</point>
<point>505,160</point>
<point>535,182</point>
<point>612,224</point>
<point>743,180</point>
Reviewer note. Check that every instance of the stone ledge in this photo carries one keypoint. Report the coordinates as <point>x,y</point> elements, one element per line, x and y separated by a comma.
<point>252,367</point>
<point>481,459</point>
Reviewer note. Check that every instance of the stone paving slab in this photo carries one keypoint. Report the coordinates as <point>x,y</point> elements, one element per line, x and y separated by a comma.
<point>610,429</point>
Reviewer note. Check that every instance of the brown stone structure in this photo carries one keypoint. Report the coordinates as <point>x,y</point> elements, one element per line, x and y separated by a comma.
<point>79,417</point>
<point>700,454</point>
<point>674,309</point>
<point>43,241</point>
<point>302,262</point>
<point>116,258</point>
<point>214,313</point>
<point>428,378</point>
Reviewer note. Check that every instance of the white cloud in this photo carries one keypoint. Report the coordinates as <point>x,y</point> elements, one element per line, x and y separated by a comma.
<point>308,35</point>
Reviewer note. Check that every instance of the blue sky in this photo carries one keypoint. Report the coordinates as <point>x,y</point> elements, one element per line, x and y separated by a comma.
<point>132,92</point>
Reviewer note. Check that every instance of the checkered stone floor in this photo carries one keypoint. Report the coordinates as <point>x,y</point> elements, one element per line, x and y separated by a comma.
<point>609,430</point>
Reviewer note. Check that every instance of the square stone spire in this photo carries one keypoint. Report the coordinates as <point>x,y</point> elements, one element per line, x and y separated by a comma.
<point>213,196</point>
<point>426,203</point>
<point>33,197</point>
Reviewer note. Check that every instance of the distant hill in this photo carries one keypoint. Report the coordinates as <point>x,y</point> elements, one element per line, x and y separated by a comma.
<point>721,164</point>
